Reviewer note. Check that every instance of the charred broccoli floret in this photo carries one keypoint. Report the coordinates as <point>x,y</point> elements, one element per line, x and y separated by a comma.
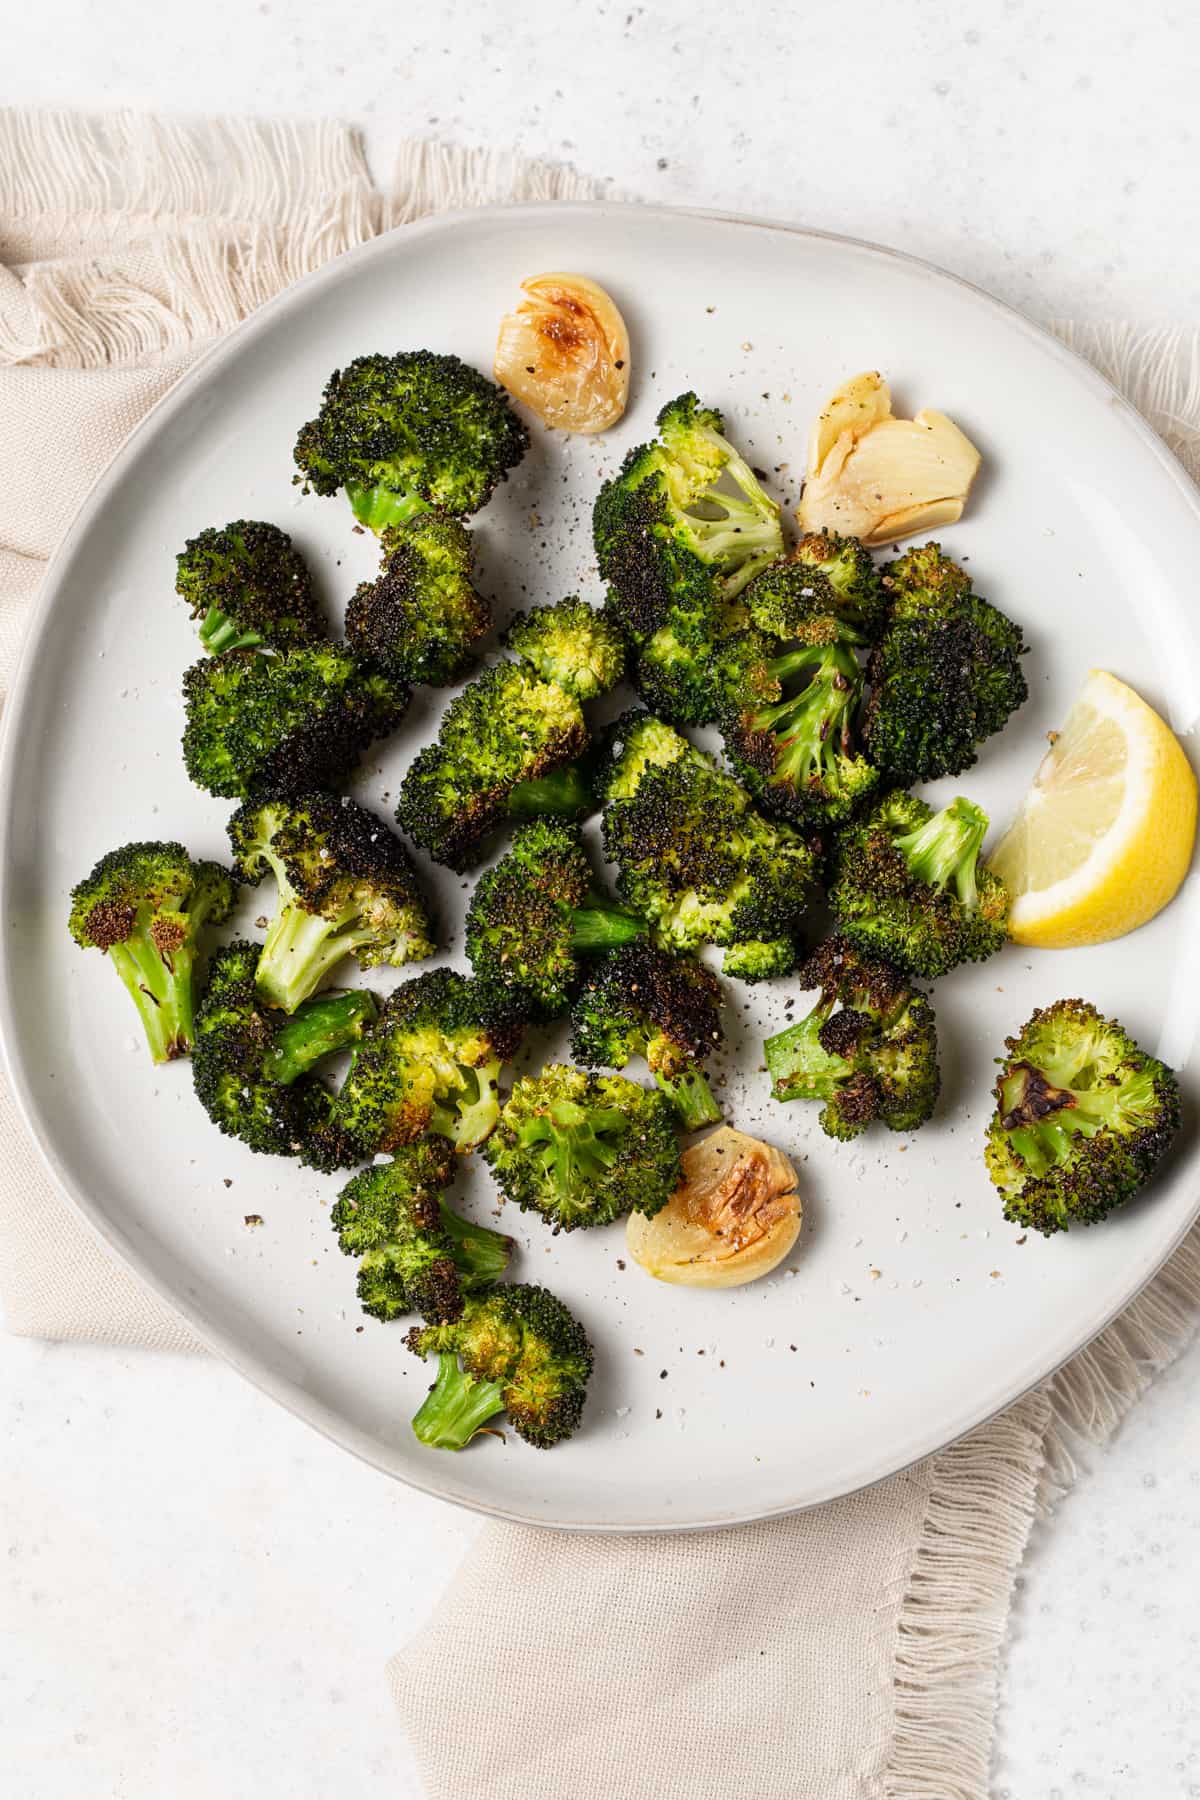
<point>909,886</point>
<point>944,676</point>
<point>430,1063</point>
<point>347,887</point>
<point>421,618</point>
<point>1083,1118</point>
<point>517,1350</point>
<point>146,905</point>
<point>795,750</point>
<point>536,915</point>
<point>415,1253</point>
<point>405,434</point>
<point>827,591</point>
<point>684,525</point>
<point>685,673</point>
<point>247,584</point>
<point>642,1001</point>
<point>868,1048</point>
<point>261,724</point>
<point>502,751</point>
<point>252,1066</point>
<point>571,644</point>
<point>583,1149</point>
<point>694,857</point>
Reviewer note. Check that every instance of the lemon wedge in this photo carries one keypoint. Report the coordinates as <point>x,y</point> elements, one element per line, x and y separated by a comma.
<point>1104,836</point>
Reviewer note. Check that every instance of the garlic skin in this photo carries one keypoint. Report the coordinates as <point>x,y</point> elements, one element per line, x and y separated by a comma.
<point>565,353</point>
<point>735,1216</point>
<point>879,478</point>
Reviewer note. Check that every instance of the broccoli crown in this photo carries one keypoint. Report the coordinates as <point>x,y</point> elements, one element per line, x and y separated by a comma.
<point>534,915</point>
<point>506,728</point>
<point>694,857</point>
<point>642,1001</point>
<point>1083,1118</point>
<point>582,1149</point>
<point>258,723</point>
<point>827,591</point>
<point>421,617</point>
<point>572,644</point>
<point>415,1255</point>
<point>247,584</point>
<point>430,1063</point>
<point>406,433</point>
<point>145,905</point>
<point>347,887</point>
<point>868,1048</point>
<point>908,886</point>
<point>517,1350</point>
<point>796,752</point>
<point>252,1065</point>
<point>684,524</point>
<point>944,676</point>
<point>684,673</point>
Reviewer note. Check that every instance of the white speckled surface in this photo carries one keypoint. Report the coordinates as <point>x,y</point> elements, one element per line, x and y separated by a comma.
<point>198,1593</point>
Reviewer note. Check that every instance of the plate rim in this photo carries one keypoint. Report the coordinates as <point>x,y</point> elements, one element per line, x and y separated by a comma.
<point>113,1239</point>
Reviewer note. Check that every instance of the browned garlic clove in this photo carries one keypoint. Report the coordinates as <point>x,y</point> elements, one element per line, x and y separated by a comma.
<point>565,353</point>
<point>734,1218</point>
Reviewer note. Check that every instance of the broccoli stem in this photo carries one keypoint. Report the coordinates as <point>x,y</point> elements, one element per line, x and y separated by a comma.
<point>480,1254</point>
<point>218,632</point>
<point>466,1112</point>
<point>691,1097</point>
<point>1044,1120</point>
<point>318,1028</point>
<point>379,507</point>
<point>946,848</point>
<point>799,1065</point>
<point>300,950</point>
<point>811,727</point>
<point>456,1406</point>
<point>564,793</point>
<point>161,991</point>
<point>570,1143</point>
<point>599,926</point>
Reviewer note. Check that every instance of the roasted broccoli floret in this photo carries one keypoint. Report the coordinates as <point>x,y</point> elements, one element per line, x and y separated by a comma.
<point>252,1066</point>
<point>944,676</point>
<point>908,886</point>
<point>684,525</point>
<point>868,1048</point>
<point>415,1253</point>
<point>536,915</point>
<point>146,905</point>
<point>572,645</point>
<point>430,1063</point>
<point>642,1001</point>
<point>583,1149</point>
<point>248,584</point>
<point>420,618</point>
<point>517,1350</point>
<point>405,434</point>
<point>262,724</point>
<point>502,751</point>
<point>827,591</point>
<point>795,750</point>
<point>695,859</point>
<point>1083,1118</point>
<point>347,887</point>
<point>685,672</point>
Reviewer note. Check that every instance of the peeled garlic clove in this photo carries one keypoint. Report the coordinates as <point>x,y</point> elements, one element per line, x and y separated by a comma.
<point>565,353</point>
<point>734,1218</point>
<point>884,478</point>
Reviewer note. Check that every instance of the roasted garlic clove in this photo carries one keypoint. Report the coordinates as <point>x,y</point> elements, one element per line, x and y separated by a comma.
<point>565,353</point>
<point>734,1218</point>
<point>879,478</point>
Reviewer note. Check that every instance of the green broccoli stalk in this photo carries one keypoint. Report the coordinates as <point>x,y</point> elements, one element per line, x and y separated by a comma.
<point>517,1349</point>
<point>562,794</point>
<point>347,887</point>
<point>1083,1118</point>
<point>946,849</point>
<point>797,754</point>
<point>248,585</point>
<point>320,1028</point>
<point>145,906</point>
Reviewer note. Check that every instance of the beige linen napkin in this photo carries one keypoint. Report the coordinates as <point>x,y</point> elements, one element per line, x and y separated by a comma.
<point>848,1652</point>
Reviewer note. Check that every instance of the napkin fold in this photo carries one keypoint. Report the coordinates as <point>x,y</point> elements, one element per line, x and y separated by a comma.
<point>848,1653</point>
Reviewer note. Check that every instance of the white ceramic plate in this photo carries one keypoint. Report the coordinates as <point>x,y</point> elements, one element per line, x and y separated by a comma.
<point>909,1311</point>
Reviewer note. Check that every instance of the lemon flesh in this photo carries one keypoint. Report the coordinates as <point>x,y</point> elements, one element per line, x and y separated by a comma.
<point>1105,835</point>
